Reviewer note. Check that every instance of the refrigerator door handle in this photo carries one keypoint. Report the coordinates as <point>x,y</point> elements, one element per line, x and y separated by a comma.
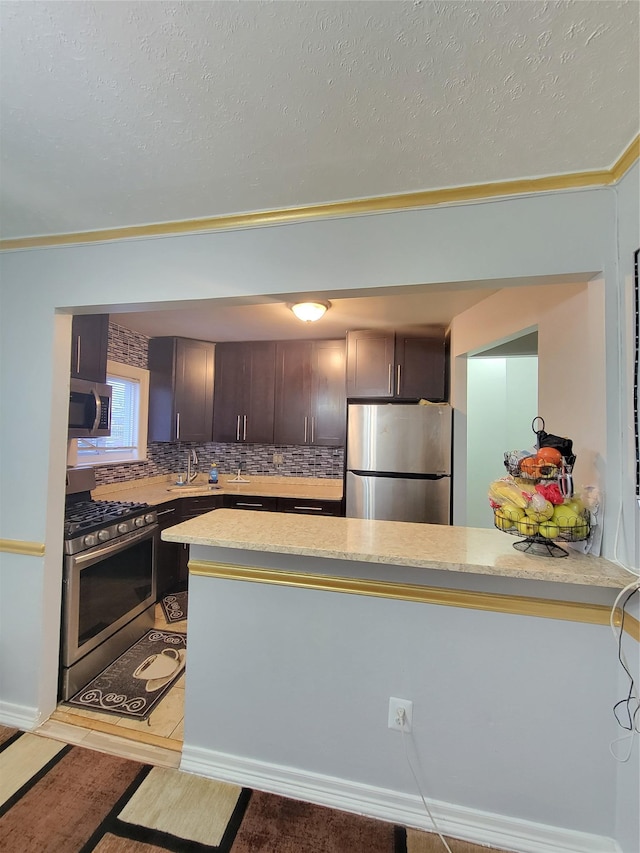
<point>394,475</point>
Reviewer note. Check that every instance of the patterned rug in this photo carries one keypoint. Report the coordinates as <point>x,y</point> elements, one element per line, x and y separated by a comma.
<point>174,607</point>
<point>56,798</point>
<point>136,682</point>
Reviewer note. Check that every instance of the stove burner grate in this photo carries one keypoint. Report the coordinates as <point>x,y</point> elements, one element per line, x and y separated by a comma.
<point>84,516</point>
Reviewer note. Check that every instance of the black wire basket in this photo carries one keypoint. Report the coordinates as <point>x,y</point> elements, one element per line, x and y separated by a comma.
<point>528,469</point>
<point>541,537</point>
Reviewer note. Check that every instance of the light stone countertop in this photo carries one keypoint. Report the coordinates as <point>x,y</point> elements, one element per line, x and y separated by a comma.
<point>430,546</point>
<point>159,490</point>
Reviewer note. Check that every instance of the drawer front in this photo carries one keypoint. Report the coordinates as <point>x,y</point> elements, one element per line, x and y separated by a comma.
<point>192,507</point>
<point>308,506</point>
<point>257,504</point>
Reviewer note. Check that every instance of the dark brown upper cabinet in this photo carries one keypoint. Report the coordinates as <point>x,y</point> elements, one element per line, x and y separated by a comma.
<point>180,389</point>
<point>89,339</point>
<point>407,364</point>
<point>244,383</point>
<point>310,393</point>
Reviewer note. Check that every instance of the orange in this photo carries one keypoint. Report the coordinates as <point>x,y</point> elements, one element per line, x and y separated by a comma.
<point>530,466</point>
<point>550,455</point>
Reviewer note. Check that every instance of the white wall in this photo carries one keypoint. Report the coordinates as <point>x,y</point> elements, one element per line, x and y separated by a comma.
<point>628,544</point>
<point>573,363</point>
<point>511,714</point>
<point>502,401</point>
<point>620,391</point>
<point>569,232</point>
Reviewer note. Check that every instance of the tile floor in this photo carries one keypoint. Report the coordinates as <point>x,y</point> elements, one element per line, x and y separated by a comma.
<point>157,740</point>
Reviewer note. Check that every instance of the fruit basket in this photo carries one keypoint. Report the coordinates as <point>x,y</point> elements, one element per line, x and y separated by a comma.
<point>567,523</point>
<point>535,468</point>
<point>536,500</point>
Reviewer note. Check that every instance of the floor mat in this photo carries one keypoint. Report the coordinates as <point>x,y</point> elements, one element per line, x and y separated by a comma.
<point>174,607</point>
<point>136,682</point>
<point>81,800</point>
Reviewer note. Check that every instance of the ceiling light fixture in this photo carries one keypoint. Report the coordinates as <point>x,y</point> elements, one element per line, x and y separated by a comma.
<point>309,312</point>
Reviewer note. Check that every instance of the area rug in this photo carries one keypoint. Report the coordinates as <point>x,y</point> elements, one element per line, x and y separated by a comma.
<point>174,607</point>
<point>76,800</point>
<point>137,681</point>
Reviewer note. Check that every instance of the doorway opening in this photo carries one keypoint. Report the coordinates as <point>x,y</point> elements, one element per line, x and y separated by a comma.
<point>502,401</point>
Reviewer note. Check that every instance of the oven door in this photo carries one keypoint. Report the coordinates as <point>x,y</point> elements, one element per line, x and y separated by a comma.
<point>106,587</point>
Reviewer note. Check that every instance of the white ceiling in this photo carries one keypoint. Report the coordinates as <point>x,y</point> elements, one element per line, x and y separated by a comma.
<point>269,317</point>
<point>127,113</point>
<point>124,113</point>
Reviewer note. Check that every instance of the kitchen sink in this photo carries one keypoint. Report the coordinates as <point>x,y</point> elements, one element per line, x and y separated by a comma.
<point>188,489</point>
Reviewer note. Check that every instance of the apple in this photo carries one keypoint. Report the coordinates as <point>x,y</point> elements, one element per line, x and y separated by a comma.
<point>575,504</point>
<point>565,516</point>
<point>537,512</point>
<point>581,530</point>
<point>512,512</point>
<point>501,520</point>
<point>549,529</point>
<point>527,527</point>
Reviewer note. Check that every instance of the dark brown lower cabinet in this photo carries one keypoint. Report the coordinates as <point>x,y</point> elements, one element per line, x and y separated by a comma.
<point>308,506</point>
<point>258,504</point>
<point>173,557</point>
<point>301,506</point>
<point>168,554</point>
<point>191,508</point>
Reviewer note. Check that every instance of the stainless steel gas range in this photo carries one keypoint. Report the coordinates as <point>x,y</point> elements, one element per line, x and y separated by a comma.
<point>109,580</point>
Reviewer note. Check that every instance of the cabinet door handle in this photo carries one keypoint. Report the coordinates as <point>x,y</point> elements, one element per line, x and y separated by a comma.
<point>177,425</point>
<point>313,429</point>
<point>398,380</point>
<point>305,508</point>
<point>238,428</point>
<point>306,423</point>
<point>389,381</point>
<point>241,503</point>
<point>78,354</point>
<point>244,428</point>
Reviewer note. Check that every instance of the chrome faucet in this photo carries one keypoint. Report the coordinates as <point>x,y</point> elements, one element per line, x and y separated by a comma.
<point>192,466</point>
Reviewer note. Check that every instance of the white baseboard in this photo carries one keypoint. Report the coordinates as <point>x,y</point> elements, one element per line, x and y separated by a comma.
<point>404,809</point>
<point>19,716</point>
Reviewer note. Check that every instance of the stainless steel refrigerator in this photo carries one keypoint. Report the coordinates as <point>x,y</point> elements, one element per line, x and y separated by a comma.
<point>398,463</point>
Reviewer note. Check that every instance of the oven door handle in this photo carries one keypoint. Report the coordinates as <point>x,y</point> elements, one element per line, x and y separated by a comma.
<point>96,553</point>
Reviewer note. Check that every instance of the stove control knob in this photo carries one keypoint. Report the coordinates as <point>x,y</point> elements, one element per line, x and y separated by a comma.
<point>103,535</point>
<point>90,540</point>
<point>149,519</point>
<point>139,521</point>
<point>123,527</point>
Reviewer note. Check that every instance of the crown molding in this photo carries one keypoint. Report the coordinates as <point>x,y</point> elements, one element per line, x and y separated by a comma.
<point>355,207</point>
<point>626,160</point>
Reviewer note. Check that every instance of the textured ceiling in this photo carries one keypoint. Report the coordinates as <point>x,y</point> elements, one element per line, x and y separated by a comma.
<point>124,113</point>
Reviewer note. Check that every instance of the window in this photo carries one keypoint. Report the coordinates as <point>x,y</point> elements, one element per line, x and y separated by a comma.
<point>129,412</point>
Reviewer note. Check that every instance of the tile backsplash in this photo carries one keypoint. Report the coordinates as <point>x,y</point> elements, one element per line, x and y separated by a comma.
<point>129,347</point>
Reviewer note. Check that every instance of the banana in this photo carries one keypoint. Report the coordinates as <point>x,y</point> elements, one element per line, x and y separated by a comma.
<point>504,491</point>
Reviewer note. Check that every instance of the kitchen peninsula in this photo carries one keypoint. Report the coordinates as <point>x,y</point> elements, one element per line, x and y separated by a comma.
<point>301,630</point>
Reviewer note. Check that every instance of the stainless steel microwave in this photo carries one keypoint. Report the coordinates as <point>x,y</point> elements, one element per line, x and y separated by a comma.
<point>89,409</point>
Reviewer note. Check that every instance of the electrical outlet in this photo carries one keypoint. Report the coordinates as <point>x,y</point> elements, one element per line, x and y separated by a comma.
<point>395,721</point>
<point>278,459</point>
